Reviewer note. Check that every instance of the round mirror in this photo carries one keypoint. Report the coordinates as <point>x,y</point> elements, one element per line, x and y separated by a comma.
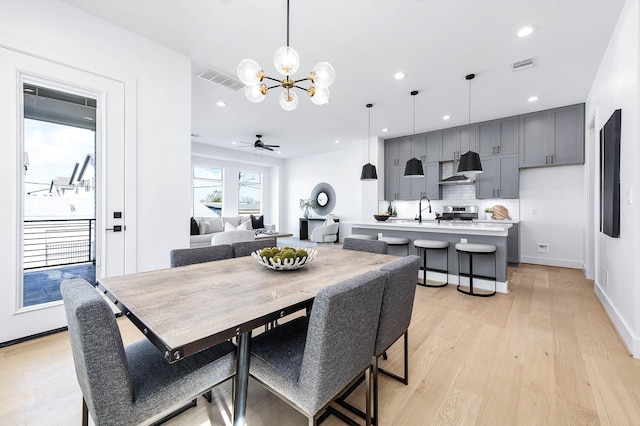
<point>322,199</point>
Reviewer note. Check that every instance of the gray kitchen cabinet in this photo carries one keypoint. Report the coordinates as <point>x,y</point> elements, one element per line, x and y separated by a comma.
<point>427,186</point>
<point>500,177</point>
<point>432,145</point>
<point>449,144</point>
<point>513,245</point>
<point>498,136</point>
<point>456,141</point>
<point>393,177</point>
<point>396,151</point>
<point>552,138</point>
<point>432,188</point>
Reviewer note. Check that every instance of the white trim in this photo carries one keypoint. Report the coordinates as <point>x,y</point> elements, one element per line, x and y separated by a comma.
<point>630,340</point>
<point>563,263</point>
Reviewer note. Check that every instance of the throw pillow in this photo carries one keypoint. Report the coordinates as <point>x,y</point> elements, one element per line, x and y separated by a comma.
<point>203,225</point>
<point>244,226</point>
<point>229,227</point>
<point>195,230</point>
<point>257,222</point>
<point>216,224</point>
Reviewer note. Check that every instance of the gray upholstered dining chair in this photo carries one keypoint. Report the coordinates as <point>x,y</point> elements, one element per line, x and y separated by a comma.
<point>371,246</point>
<point>245,248</point>
<point>128,385</point>
<point>190,256</point>
<point>310,360</point>
<point>395,317</point>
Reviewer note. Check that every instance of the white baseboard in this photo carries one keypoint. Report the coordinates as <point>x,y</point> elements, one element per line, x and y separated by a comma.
<point>629,339</point>
<point>563,263</point>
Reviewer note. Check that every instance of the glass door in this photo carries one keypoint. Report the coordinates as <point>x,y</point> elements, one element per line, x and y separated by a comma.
<point>88,239</point>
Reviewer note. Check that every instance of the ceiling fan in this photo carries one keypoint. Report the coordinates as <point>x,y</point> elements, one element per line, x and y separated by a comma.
<point>258,144</point>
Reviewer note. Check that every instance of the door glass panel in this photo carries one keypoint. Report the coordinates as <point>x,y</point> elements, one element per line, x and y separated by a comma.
<point>59,192</point>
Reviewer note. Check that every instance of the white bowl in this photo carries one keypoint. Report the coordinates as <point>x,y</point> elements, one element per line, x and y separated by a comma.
<point>288,264</point>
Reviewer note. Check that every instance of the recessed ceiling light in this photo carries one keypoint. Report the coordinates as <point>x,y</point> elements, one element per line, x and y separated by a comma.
<point>337,141</point>
<point>399,75</point>
<point>233,142</point>
<point>221,103</point>
<point>525,31</point>
<point>385,130</point>
<point>533,99</point>
<point>279,152</point>
<point>445,117</point>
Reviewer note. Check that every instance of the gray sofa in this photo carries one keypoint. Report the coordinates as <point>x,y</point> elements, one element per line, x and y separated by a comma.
<point>209,226</point>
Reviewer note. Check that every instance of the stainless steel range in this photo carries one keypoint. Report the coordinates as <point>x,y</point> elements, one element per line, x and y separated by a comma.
<point>459,212</point>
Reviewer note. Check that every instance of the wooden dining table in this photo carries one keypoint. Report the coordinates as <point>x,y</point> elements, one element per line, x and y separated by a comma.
<point>187,309</point>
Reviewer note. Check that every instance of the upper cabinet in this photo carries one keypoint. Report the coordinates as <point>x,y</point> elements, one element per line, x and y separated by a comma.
<point>498,136</point>
<point>456,141</point>
<point>553,137</point>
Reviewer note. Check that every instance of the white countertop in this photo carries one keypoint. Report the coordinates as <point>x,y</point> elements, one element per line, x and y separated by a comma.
<point>489,228</point>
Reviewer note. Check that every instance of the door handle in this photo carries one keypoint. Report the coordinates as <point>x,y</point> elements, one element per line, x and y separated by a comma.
<point>117,228</point>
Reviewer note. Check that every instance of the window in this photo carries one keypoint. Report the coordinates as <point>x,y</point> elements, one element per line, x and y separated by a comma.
<point>207,191</point>
<point>249,193</point>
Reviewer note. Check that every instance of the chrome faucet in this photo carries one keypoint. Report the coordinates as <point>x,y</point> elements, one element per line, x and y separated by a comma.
<point>420,208</point>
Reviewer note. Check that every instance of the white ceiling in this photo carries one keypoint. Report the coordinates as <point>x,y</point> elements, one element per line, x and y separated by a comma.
<point>436,43</point>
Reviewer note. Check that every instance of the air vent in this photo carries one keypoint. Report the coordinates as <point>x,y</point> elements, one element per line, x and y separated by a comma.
<point>221,78</point>
<point>521,65</point>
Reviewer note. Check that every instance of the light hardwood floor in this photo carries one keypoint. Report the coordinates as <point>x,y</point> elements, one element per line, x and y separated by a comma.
<point>543,354</point>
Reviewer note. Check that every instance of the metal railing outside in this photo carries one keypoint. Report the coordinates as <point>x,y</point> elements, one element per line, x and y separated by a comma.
<point>56,242</point>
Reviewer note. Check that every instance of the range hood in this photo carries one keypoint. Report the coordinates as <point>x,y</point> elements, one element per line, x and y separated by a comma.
<point>457,180</point>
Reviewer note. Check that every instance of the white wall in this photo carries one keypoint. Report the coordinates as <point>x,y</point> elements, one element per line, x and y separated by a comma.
<point>163,112</point>
<point>340,169</point>
<point>552,212</point>
<point>616,86</point>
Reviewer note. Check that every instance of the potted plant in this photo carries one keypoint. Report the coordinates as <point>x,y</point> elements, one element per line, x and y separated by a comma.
<point>489,212</point>
<point>305,203</point>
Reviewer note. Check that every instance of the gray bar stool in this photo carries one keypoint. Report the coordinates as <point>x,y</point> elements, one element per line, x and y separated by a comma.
<point>423,246</point>
<point>396,241</point>
<point>476,250</point>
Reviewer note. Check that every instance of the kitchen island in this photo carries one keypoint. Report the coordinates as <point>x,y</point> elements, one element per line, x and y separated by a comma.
<point>453,232</point>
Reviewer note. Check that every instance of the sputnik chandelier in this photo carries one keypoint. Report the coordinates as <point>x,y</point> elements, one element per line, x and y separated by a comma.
<point>287,62</point>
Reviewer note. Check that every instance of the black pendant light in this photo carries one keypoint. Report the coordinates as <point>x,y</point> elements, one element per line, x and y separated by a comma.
<point>413,169</point>
<point>369,170</point>
<point>470,160</point>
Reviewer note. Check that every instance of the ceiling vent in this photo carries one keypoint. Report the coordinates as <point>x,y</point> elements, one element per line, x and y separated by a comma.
<point>522,65</point>
<point>221,78</point>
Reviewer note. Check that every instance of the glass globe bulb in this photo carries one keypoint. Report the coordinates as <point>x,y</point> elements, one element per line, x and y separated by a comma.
<point>286,60</point>
<point>288,100</point>
<point>325,75</point>
<point>321,96</point>
<point>255,93</point>
<point>249,72</point>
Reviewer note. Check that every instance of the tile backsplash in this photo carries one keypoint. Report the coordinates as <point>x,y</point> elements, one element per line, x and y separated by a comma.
<point>453,195</point>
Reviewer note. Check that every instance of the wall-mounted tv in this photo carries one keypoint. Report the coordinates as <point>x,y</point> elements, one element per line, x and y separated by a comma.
<point>610,175</point>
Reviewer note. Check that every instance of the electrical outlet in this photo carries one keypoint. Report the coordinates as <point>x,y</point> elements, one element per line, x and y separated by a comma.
<point>542,248</point>
<point>534,211</point>
<point>463,240</point>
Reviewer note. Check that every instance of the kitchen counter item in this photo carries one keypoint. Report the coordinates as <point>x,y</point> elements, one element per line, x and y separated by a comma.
<point>500,212</point>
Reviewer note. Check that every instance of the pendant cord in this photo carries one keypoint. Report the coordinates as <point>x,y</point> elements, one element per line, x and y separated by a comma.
<point>287,23</point>
<point>369,140</point>
<point>469,102</point>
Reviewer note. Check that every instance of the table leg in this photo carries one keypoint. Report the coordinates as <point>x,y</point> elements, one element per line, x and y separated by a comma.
<point>242,379</point>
